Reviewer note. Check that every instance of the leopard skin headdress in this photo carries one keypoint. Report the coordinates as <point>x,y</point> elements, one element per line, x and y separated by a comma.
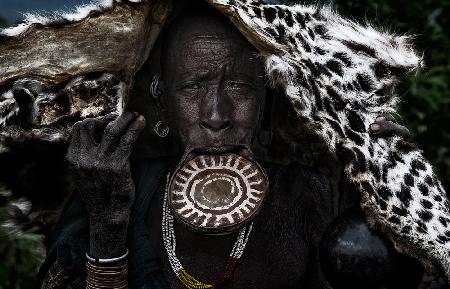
<point>336,75</point>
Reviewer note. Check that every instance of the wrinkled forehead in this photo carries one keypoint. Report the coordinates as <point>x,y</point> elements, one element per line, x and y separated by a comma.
<point>215,51</point>
<point>205,22</point>
<point>196,39</point>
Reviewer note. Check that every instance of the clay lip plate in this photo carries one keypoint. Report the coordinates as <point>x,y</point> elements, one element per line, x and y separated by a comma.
<point>218,193</point>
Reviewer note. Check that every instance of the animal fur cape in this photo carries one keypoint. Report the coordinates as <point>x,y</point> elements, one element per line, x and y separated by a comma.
<point>335,75</point>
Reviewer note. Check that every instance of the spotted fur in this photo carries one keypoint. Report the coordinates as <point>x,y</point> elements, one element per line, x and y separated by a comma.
<point>339,75</point>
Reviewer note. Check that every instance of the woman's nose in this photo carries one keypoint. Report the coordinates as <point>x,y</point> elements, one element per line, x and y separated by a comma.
<point>215,113</point>
<point>215,125</point>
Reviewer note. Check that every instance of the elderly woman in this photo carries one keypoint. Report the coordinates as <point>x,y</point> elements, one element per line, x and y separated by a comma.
<point>236,200</point>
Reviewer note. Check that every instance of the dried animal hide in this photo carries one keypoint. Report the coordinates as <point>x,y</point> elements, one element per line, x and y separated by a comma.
<point>55,71</point>
<point>29,110</point>
<point>337,76</point>
<point>43,59</point>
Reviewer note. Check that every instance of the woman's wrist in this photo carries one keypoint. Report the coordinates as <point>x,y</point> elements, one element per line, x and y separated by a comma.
<point>108,239</point>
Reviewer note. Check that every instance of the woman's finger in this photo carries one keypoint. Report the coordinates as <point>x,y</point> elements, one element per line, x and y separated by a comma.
<point>115,129</point>
<point>132,134</point>
<point>99,125</point>
<point>385,117</point>
<point>388,128</point>
<point>87,133</point>
<point>74,146</point>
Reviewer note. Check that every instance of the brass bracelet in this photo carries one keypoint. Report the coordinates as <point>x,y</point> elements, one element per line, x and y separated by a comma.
<point>110,280</point>
<point>92,284</point>
<point>95,285</point>
<point>106,273</point>
<point>111,277</point>
<point>112,284</point>
<point>107,268</point>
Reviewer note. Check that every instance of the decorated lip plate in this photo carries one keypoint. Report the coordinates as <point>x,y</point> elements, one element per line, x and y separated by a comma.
<point>218,192</point>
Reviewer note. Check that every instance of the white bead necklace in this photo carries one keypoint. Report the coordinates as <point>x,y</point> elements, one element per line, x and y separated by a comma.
<point>170,244</point>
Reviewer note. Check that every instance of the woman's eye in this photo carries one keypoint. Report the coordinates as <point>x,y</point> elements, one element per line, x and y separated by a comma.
<point>191,86</point>
<point>238,85</point>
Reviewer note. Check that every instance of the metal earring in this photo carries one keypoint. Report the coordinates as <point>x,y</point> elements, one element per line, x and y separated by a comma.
<point>161,129</point>
<point>155,89</point>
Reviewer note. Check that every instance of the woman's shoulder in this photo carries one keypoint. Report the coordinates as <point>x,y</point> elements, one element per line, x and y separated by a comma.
<point>300,178</point>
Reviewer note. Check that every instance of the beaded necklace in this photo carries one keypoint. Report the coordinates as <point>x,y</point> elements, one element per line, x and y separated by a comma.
<point>170,243</point>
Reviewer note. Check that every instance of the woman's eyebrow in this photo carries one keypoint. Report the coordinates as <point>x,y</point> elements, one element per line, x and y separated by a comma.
<point>198,74</point>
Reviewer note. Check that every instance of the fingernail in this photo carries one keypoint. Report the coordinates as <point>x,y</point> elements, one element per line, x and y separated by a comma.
<point>141,118</point>
<point>375,127</point>
<point>380,118</point>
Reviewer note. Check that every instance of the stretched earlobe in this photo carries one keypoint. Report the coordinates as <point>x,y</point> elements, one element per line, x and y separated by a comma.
<point>156,91</point>
<point>161,129</point>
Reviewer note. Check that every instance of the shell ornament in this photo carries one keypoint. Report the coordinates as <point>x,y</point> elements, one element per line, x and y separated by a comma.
<point>218,192</point>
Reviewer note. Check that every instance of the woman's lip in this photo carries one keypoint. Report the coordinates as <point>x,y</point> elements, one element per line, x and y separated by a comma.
<point>218,149</point>
<point>239,149</point>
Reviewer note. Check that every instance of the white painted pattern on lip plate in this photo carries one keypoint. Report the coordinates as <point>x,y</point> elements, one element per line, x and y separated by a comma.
<point>218,191</point>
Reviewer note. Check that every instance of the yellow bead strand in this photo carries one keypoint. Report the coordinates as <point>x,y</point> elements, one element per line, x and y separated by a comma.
<point>190,282</point>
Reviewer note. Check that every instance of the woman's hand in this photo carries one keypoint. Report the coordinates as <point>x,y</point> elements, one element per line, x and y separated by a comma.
<point>99,155</point>
<point>385,126</point>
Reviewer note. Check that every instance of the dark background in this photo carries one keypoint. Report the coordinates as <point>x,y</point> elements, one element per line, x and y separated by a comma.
<point>425,108</point>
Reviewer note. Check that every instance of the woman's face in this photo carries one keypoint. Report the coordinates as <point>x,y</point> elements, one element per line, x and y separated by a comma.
<point>214,85</point>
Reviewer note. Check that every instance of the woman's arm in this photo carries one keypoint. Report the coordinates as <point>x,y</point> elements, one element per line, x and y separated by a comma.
<point>99,157</point>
